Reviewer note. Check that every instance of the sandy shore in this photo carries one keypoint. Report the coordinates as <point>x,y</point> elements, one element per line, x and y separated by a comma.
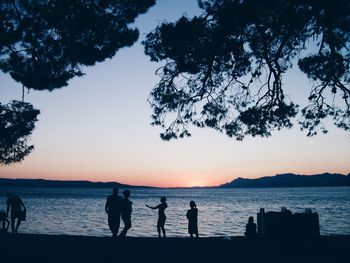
<point>50,248</point>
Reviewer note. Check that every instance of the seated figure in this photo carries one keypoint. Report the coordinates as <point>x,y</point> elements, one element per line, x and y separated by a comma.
<point>4,222</point>
<point>250,229</point>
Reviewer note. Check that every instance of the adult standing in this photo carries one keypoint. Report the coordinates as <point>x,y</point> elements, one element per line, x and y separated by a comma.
<point>113,209</point>
<point>18,211</point>
<point>126,213</point>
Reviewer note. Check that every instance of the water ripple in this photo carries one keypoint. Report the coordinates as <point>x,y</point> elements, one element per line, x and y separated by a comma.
<point>222,212</point>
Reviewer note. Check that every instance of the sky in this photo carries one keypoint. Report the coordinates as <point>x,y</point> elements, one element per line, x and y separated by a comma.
<point>98,129</point>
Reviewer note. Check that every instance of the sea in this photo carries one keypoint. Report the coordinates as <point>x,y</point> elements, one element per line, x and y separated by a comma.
<point>221,212</point>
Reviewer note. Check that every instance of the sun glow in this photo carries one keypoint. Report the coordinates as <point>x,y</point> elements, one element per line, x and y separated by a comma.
<point>196,183</point>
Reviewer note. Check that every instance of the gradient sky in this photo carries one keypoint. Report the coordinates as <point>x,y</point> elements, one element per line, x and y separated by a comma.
<point>98,128</point>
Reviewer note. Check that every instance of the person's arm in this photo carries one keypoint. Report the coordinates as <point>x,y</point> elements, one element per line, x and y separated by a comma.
<point>153,207</point>
<point>107,205</point>
<point>22,204</point>
<point>7,208</point>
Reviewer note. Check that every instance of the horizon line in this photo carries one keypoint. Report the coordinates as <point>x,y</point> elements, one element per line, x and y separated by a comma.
<point>134,185</point>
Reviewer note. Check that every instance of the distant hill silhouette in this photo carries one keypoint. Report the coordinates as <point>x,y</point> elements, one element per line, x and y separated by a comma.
<point>291,180</point>
<point>279,180</point>
<point>63,184</point>
<point>348,183</point>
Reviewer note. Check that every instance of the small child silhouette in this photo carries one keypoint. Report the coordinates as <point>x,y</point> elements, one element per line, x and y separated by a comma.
<point>4,222</point>
<point>192,216</point>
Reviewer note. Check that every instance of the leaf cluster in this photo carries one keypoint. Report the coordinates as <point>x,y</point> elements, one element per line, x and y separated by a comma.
<point>17,121</point>
<point>44,43</point>
<point>224,69</point>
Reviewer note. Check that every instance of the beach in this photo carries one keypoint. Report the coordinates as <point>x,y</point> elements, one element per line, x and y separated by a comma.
<point>63,248</point>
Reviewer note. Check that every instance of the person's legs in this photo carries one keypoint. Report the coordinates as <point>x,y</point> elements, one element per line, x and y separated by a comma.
<point>114,223</point>
<point>117,224</point>
<point>8,224</point>
<point>158,230</point>
<point>13,223</point>
<point>125,230</point>
<point>158,227</point>
<point>163,230</point>
<point>127,226</point>
<point>116,228</point>
<point>18,224</point>
<point>110,223</point>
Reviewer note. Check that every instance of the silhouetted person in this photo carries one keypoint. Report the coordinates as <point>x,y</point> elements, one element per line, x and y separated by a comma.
<point>113,208</point>
<point>192,216</point>
<point>4,221</point>
<point>250,228</point>
<point>15,204</point>
<point>161,215</point>
<point>126,213</point>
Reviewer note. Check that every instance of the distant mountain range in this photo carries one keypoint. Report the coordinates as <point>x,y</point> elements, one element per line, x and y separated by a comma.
<point>279,180</point>
<point>62,184</point>
<point>291,180</point>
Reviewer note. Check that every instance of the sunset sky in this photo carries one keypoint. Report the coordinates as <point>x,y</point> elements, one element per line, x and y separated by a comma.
<point>98,128</point>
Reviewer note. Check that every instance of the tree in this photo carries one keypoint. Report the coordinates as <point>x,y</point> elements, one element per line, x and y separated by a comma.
<point>224,69</point>
<point>45,43</point>
<point>17,121</point>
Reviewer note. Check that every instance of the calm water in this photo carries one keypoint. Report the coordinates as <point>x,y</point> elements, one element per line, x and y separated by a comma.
<point>221,211</point>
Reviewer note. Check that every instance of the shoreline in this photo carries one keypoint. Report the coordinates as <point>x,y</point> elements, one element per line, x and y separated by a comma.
<point>226,238</point>
<point>66,248</point>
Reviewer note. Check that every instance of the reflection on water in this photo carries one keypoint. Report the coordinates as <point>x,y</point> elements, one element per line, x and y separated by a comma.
<point>221,211</point>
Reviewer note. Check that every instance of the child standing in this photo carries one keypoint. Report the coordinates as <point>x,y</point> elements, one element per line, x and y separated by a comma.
<point>192,216</point>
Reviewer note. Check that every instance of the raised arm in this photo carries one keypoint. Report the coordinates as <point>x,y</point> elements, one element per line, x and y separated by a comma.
<point>153,207</point>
